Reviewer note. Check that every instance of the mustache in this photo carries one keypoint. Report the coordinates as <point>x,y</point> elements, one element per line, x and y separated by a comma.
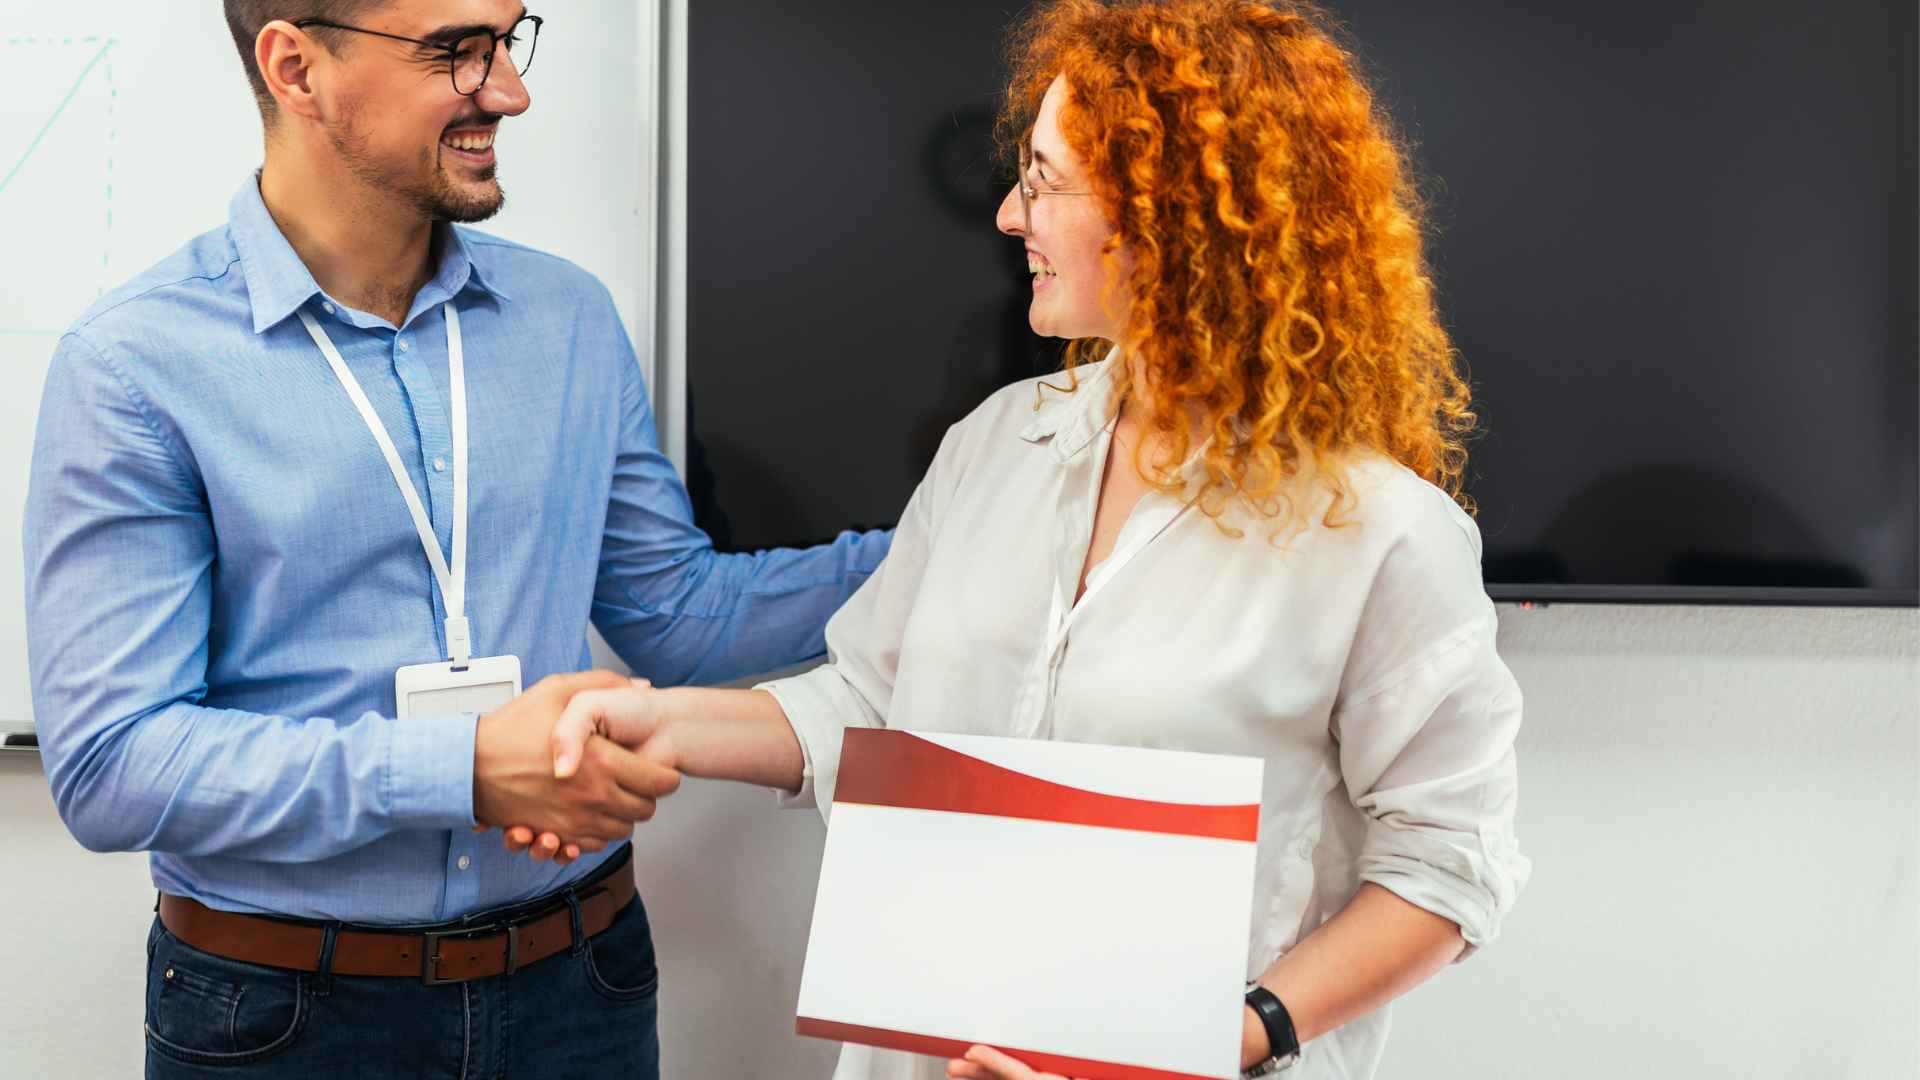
<point>477,120</point>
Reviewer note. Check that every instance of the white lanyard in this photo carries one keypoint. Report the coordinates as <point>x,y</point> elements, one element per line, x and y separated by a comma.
<point>453,581</point>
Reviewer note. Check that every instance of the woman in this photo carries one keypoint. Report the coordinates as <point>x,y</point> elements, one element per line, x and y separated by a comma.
<point>1240,532</point>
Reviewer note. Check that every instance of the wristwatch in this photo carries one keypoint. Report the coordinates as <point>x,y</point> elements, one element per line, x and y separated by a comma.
<point>1283,1047</point>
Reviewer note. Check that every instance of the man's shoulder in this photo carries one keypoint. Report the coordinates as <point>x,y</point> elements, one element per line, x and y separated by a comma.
<point>199,280</point>
<point>511,263</point>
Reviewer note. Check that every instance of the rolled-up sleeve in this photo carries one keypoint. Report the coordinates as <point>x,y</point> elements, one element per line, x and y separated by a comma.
<point>1427,755</point>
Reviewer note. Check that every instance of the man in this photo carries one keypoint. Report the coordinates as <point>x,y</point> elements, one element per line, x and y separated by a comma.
<point>307,497</point>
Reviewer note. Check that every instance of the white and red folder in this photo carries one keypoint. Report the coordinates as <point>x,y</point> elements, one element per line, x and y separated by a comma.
<point>1082,908</point>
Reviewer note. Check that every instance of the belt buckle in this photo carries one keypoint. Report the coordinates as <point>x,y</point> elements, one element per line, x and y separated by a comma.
<point>430,960</point>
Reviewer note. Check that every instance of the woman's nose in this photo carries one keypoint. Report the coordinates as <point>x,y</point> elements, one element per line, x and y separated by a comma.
<point>1010,219</point>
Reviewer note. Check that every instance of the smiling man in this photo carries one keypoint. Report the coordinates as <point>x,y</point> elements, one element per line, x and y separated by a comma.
<point>311,501</point>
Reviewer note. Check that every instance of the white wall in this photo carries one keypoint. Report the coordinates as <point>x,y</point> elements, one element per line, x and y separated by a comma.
<point>95,186</point>
<point>1722,806</point>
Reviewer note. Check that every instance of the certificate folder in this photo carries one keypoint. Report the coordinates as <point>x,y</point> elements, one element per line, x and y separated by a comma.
<point>1083,908</point>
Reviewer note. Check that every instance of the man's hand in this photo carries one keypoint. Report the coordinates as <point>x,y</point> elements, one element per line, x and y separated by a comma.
<point>627,713</point>
<point>513,773</point>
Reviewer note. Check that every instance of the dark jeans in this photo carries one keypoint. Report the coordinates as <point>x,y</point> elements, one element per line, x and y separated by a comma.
<point>586,1012</point>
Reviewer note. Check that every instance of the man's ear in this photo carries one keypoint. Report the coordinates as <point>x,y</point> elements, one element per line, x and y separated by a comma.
<point>286,56</point>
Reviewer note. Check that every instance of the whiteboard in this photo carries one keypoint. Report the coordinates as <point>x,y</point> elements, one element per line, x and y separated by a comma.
<point>125,129</point>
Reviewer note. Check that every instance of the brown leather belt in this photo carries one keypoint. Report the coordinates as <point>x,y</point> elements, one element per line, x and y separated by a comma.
<point>434,957</point>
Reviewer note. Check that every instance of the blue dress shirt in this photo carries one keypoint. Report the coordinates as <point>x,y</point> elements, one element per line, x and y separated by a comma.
<point>222,575</point>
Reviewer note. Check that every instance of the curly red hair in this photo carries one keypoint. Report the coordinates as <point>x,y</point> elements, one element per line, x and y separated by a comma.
<point>1278,291</point>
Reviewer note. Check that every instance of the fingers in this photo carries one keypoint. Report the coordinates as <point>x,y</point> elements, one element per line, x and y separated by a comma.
<point>546,847</point>
<point>605,829</point>
<point>543,847</point>
<point>994,1065</point>
<point>578,722</point>
<point>594,707</point>
<point>636,774</point>
<point>628,807</point>
<point>625,715</point>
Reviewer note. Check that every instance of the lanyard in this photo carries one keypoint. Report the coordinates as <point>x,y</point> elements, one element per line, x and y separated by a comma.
<point>452,580</point>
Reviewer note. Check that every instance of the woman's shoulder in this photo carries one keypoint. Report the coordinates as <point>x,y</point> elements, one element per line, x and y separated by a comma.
<point>1398,506</point>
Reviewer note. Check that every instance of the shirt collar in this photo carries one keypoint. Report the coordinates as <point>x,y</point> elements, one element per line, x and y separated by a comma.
<point>278,283</point>
<point>1072,420</point>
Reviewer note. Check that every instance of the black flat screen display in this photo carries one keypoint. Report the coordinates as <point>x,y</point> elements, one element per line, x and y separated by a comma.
<point>1676,245</point>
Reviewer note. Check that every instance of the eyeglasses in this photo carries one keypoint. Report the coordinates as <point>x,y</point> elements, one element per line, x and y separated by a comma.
<point>470,58</point>
<point>1030,194</point>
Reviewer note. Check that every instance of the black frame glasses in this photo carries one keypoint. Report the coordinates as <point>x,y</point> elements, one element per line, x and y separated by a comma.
<point>512,37</point>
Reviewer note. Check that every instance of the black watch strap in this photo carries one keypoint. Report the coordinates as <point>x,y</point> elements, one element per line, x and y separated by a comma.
<point>1281,1040</point>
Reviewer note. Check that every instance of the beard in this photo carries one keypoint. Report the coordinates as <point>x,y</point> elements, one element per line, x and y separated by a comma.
<point>422,184</point>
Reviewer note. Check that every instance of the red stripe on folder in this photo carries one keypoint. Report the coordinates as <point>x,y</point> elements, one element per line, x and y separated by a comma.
<point>952,1048</point>
<point>880,767</point>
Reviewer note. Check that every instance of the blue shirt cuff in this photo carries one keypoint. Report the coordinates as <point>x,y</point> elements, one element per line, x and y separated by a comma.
<point>430,771</point>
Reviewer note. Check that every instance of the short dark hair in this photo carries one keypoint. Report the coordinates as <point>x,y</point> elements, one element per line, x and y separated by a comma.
<point>246,17</point>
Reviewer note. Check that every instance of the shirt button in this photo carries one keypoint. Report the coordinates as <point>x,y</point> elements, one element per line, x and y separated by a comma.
<point>328,308</point>
<point>439,464</point>
<point>464,862</point>
<point>403,345</point>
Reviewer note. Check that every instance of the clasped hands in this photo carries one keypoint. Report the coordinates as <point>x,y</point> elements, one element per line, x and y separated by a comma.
<point>570,765</point>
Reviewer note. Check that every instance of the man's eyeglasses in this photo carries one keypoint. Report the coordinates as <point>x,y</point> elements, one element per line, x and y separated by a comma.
<point>469,58</point>
<point>1029,194</point>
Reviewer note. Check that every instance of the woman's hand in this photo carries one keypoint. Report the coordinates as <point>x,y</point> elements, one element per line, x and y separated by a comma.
<point>629,716</point>
<point>632,716</point>
<point>986,1063</point>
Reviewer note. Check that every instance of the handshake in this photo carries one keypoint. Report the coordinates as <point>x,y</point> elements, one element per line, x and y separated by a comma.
<point>571,764</point>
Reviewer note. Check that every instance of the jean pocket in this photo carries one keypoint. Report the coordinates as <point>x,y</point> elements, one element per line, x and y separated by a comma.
<point>619,960</point>
<point>204,1009</point>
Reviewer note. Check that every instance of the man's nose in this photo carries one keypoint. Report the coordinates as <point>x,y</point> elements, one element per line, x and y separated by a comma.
<point>504,93</point>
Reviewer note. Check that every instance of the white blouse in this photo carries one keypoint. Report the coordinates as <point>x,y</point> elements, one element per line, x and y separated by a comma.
<point>1358,661</point>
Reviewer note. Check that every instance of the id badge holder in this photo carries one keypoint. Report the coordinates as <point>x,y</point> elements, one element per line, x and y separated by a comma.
<point>481,685</point>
